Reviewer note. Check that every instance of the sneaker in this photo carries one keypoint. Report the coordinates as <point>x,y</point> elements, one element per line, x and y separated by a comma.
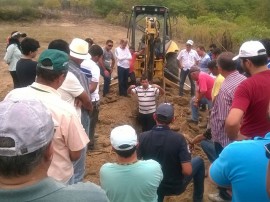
<point>192,121</point>
<point>216,198</point>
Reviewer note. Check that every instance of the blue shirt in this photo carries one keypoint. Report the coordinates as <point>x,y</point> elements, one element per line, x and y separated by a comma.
<point>242,165</point>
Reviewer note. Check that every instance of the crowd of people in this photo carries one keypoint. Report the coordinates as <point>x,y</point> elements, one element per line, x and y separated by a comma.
<point>48,121</point>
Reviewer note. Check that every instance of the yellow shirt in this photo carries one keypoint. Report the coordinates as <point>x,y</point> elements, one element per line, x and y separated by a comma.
<point>217,85</point>
<point>69,135</point>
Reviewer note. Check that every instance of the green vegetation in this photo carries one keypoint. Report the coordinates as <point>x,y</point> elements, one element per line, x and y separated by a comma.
<point>226,23</point>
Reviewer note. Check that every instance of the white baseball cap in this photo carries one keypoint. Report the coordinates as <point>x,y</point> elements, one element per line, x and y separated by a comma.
<point>190,42</point>
<point>123,138</point>
<point>251,49</point>
<point>28,123</point>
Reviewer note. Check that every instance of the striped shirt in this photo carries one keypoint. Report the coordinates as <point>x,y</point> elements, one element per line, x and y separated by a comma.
<point>222,107</point>
<point>146,98</point>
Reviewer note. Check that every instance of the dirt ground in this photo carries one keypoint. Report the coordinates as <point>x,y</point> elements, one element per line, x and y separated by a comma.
<point>114,110</point>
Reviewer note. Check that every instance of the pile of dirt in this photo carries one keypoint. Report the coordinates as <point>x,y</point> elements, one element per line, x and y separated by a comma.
<point>116,110</point>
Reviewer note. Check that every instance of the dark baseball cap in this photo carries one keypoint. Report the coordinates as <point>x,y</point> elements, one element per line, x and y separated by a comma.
<point>165,112</point>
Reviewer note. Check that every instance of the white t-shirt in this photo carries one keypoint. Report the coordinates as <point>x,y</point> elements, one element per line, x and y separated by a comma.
<point>70,89</point>
<point>123,56</point>
<point>95,71</point>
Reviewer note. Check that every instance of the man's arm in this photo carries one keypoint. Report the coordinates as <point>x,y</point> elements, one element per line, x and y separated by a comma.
<point>74,155</point>
<point>86,102</point>
<point>186,168</point>
<point>233,122</point>
<point>161,90</point>
<point>102,66</point>
<point>93,86</point>
<point>129,90</point>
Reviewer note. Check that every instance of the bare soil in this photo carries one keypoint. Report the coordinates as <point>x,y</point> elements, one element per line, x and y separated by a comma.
<point>114,110</point>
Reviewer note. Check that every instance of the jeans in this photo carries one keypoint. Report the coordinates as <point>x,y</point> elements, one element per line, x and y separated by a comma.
<point>183,76</point>
<point>198,172</point>
<point>93,121</point>
<point>107,82</point>
<point>79,167</point>
<point>209,149</point>
<point>194,109</point>
<point>222,191</point>
<point>123,74</point>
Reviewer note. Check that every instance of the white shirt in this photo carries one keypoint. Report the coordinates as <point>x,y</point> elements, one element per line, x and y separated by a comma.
<point>188,59</point>
<point>12,56</point>
<point>123,56</point>
<point>70,89</point>
<point>95,71</point>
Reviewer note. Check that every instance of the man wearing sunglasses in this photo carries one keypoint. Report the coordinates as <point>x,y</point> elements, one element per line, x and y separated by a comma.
<point>106,64</point>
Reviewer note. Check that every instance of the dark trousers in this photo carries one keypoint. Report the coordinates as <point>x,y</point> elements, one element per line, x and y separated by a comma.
<point>222,191</point>
<point>93,122</point>
<point>16,83</point>
<point>198,172</point>
<point>147,121</point>
<point>132,78</point>
<point>123,74</point>
<point>107,82</point>
<point>183,76</point>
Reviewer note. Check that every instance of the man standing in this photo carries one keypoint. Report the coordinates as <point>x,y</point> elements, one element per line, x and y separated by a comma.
<point>171,151</point>
<point>204,59</point>
<point>227,68</point>
<point>204,84</point>
<point>250,103</point>
<point>91,64</point>
<point>26,67</point>
<point>26,152</point>
<point>129,179</point>
<point>51,71</point>
<point>123,56</point>
<point>106,64</point>
<point>186,59</point>
<point>147,97</point>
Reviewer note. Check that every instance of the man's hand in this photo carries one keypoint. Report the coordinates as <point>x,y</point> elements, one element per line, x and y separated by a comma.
<point>77,103</point>
<point>106,73</point>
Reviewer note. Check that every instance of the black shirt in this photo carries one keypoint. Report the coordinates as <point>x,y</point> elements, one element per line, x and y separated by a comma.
<point>170,150</point>
<point>26,72</point>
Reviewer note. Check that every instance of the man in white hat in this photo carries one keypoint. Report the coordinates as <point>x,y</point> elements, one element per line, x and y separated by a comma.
<point>248,114</point>
<point>186,59</point>
<point>129,179</point>
<point>78,53</point>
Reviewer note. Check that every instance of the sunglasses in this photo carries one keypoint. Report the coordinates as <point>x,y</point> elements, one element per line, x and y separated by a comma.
<point>267,150</point>
<point>110,45</point>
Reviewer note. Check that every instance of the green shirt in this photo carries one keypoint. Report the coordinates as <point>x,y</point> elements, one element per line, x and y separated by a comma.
<point>136,182</point>
<point>50,190</point>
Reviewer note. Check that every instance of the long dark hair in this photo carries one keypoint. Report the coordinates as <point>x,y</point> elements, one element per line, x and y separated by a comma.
<point>14,40</point>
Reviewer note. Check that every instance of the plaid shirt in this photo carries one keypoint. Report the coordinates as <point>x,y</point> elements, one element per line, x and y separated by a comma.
<point>222,106</point>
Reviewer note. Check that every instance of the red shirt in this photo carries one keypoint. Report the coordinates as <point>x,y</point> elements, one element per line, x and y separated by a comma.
<point>131,62</point>
<point>252,96</point>
<point>205,84</point>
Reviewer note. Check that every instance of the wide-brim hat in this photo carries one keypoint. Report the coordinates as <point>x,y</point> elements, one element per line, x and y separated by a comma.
<point>79,49</point>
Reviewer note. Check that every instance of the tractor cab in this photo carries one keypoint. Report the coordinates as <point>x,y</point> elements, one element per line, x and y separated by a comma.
<point>149,33</point>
